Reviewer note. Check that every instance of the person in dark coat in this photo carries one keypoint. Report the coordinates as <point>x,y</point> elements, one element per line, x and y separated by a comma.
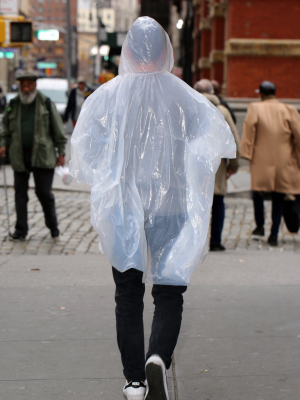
<point>224,103</point>
<point>76,99</point>
<point>2,101</point>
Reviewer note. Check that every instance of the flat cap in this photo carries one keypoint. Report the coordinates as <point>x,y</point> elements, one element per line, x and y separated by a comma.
<point>33,75</point>
<point>266,87</point>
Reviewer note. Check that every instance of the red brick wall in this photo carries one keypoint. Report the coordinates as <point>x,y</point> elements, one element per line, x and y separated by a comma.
<point>244,75</point>
<point>217,35</point>
<point>205,73</point>
<point>263,19</point>
<point>196,77</point>
<point>216,72</point>
<point>205,42</point>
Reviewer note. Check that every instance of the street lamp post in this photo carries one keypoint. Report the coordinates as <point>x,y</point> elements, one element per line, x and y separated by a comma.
<point>69,43</point>
<point>101,36</point>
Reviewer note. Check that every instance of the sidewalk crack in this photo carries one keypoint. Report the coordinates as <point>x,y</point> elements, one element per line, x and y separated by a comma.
<point>174,378</point>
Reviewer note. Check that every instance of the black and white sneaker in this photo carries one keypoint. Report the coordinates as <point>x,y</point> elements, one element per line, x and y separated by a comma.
<point>157,388</point>
<point>134,390</point>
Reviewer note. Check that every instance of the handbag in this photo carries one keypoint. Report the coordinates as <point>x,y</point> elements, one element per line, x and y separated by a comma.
<point>291,213</point>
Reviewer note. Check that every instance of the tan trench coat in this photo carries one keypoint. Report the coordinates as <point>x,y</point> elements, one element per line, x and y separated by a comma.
<point>271,142</point>
<point>233,165</point>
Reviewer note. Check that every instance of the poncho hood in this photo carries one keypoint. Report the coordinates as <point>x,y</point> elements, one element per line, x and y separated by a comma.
<point>147,48</point>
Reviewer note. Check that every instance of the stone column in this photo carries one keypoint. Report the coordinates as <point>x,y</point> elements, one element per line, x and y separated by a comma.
<point>197,40</point>
<point>205,29</point>
<point>216,56</point>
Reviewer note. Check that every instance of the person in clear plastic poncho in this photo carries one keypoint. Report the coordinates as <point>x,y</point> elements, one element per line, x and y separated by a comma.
<point>149,146</point>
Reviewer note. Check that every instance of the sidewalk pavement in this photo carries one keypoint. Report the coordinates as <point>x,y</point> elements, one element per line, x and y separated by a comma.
<point>240,333</point>
<point>239,339</point>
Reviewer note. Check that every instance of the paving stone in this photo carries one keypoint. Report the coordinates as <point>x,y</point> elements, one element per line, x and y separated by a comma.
<point>78,236</point>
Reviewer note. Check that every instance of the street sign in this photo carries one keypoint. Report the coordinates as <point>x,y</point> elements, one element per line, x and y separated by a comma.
<point>44,65</point>
<point>48,34</point>
<point>7,54</point>
<point>9,7</point>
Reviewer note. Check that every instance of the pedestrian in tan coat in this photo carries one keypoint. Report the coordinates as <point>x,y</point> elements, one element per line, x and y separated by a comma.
<point>226,169</point>
<point>271,143</point>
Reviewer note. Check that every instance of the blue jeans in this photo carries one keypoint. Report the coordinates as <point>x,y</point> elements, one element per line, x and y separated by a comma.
<point>168,301</point>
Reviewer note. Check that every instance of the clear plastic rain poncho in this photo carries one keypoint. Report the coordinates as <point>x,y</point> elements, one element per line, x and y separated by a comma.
<point>149,146</point>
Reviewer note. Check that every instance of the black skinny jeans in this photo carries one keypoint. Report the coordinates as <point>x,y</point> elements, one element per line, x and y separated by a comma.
<point>217,220</point>
<point>43,178</point>
<point>168,301</point>
<point>277,210</point>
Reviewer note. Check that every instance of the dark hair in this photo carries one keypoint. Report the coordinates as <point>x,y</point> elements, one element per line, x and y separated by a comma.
<point>268,88</point>
<point>146,42</point>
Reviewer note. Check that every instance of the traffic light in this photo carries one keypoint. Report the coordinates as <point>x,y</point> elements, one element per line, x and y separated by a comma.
<point>21,32</point>
<point>2,31</point>
<point>15,32</point>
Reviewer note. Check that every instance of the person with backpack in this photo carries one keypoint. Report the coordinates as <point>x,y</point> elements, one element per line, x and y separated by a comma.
<point>33,135</point>
<point>225,170</point>
<point>149,146</point>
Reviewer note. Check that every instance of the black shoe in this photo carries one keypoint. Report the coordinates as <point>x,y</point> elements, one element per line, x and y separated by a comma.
<point>55,233</point>
<point>16,236</point>
<point>273,241</point>
<point>258,232</point>
<point>157,388</point>
<point>217,247</point>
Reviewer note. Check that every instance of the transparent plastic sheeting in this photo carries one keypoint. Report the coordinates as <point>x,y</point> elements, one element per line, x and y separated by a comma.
<point>149,146</point>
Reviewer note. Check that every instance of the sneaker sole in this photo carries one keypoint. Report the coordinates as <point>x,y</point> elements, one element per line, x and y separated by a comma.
<point>133,396</point>
<point>257,237</point>
<point>16,240</point>
<point>157,385</point>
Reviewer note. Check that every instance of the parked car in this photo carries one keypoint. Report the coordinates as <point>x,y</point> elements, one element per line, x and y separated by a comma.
<point>10,95</point>
<point>56,89</point>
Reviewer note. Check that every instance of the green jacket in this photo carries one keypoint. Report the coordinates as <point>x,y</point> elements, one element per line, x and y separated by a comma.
<point>49,138</point>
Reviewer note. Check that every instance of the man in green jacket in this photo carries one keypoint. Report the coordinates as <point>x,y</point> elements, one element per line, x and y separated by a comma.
<point>33,134</point>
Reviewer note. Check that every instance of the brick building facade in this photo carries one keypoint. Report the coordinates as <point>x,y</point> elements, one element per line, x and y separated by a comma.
<point>48,14</point>
<point>242,42</point>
